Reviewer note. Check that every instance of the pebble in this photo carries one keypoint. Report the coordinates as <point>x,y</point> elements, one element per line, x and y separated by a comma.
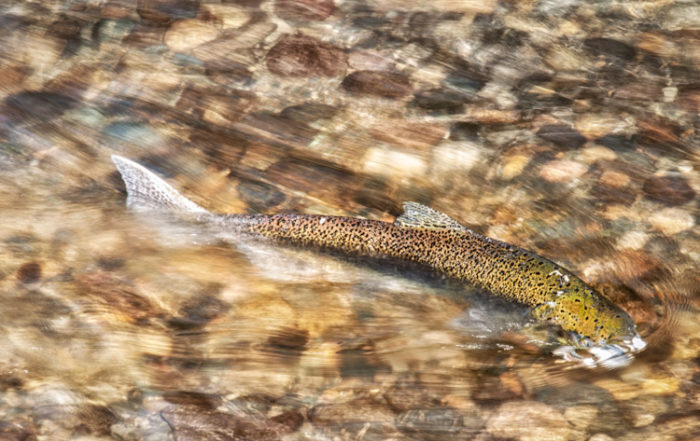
<point>595,153</point>
<point>393,163</point>
<point>164,11</point>
<point>614,179</point>
<point>672,220</point>
<point>669,190</point>
<point>187,34</point>
<point>634,240</point>
<point>581,416</point>
<point>228,15</point>
<point>562,170</point>
<point>439,423</point>
<point>29,272</point>
<point>304,9</point>
<point>303,56</point>
<point>562,135</point>
<point>601,437</point>
<point>528,421</point>
<point>514,165</point>
<point>377,83</point>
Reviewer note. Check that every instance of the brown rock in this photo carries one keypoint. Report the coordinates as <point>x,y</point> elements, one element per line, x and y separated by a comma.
<point>304,9</point>
<point>189,33</point>
<point>302,56</point>
<point>528,421</point>
<point>29,272</point>
<point>165,11</point>
<point>562,135</point>
<point>669,190</point>
<point>377,83</point>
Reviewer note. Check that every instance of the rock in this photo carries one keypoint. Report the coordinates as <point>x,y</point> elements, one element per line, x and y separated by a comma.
<point>672,220</point>
<point>260,196</point>
<point>165,11</point>
<point>601,437</point>
<point>189,33</point>
<point>233,51</point>
<point>562,135</point>
<point>444,100</point>
<point>230,16</point>
<point>304,9</point>
<point>669,190</point>
<point>514,164</point>
<point>610,47</point>
<point>634,240</point>
<point>439,423</point>
<point>617,142</point>
<point>562,170</point>
<point>29,272</point>
<point>528,421</point>
<point>615,179</point>
<point>43,106</point>
<point>595,153</point>
<point>393,163</point>
<point>597,125</point>
<point>581,416</point>
<point>302,56</point>
<point>377,83</point>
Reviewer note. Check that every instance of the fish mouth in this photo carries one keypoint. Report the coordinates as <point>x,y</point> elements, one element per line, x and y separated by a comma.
<point>612,355</point>
<point>632,343</point>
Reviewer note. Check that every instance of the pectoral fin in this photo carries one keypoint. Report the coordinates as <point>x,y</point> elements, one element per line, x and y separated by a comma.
<point>416,215</point>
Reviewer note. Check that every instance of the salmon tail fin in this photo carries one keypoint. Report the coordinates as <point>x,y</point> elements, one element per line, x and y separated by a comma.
<point>147,192</point>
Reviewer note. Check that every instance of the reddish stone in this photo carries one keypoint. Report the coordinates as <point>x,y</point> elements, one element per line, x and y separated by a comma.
<point>377,83</point>
<point>302,56</point>
<point>304,9</point>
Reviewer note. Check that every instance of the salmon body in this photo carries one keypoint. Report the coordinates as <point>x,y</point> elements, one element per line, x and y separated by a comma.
<point>428,238</point>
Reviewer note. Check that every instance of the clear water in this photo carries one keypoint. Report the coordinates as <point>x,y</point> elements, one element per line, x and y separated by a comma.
<point>116,326</point>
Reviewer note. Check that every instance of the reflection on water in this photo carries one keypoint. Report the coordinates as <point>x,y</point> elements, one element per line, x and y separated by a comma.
<point>566,128</point>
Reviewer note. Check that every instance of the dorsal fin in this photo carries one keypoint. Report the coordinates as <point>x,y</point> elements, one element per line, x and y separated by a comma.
<point>417,215</point>
<point>146,191</point>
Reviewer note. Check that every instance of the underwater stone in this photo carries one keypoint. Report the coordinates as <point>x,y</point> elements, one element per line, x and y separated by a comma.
<point>669,190</point>
<point>377,83</point>
<point>562,135</point>
<point>167,10</point>
<point>304,9</point>
<point>302,56</point>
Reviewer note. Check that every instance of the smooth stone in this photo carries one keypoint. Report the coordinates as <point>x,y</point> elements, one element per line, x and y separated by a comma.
<point>672,220</point>
<point>612,178</point>
<point>514,165</point>
<point>377,83</point>
<point>562,135</point>
<point>391,163</point>
<point>669,190</point>
<point>260,196</point>
<point>444,100</point>
<point>581,416</point>
<point>596,125</point>
<point>29,272</point>
<point>528,421</point>
<point>230,16</point>
<point>610,47</point>
<point>303,56</point>
<point>601,437</point>
<point>304,9</point>
<point>164,11</point>
<point>562,170</point>
<point>189,33</point>
<point>43,106</point>
<point>634,240</point>
<point>439,423</point>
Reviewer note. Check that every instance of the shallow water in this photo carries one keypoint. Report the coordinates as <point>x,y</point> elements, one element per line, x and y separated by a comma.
<point>567,128</point>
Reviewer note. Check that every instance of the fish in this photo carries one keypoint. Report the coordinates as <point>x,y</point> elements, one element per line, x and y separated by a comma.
<point>427,238</point>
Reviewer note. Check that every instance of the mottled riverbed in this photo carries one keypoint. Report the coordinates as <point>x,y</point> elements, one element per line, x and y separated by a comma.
<point>565,127</point>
